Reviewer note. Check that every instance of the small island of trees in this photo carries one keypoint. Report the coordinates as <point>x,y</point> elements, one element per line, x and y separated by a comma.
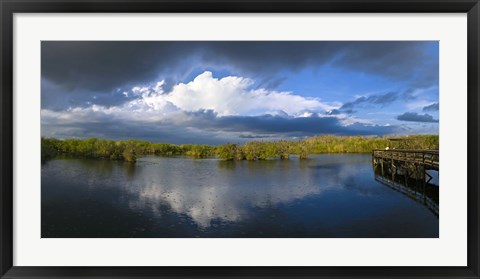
<point>130,150</point>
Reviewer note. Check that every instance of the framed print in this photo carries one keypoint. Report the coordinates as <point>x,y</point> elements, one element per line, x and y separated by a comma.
<point>239,139</point>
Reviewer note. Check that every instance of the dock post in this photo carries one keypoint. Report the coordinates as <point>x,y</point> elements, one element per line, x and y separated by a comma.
<point>382,168</point>
<point>393,169</point>
<point>423,180</point>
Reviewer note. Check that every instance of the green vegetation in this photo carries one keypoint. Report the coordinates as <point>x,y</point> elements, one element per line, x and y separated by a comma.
<point>228,152</point>
<point>129,150</point>
<point>198,151</point>
<point>49,149</point>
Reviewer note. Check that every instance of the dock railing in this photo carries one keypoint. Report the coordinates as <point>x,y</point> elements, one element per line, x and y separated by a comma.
<point>427,158</point>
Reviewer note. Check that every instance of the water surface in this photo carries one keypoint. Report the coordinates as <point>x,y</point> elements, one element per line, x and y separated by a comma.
<point>324,196</point>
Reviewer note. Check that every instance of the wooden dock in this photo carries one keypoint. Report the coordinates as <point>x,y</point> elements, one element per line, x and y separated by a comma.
<point>427,158</point>
<point>407,171</point>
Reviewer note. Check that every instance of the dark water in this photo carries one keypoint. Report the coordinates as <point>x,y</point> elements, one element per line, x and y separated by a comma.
<point>325,196</point>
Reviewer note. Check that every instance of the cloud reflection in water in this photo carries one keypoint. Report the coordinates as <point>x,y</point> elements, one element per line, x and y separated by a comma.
<point>207,190</point>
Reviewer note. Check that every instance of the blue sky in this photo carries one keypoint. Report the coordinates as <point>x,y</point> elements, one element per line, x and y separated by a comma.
<point>235,91</point>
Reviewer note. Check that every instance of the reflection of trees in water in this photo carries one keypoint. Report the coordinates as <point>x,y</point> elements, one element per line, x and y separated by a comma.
<point>261,165</point>
<point>92,166</point>
<point>103,168</point>
<point>129,168</point>
<point>229,165</point>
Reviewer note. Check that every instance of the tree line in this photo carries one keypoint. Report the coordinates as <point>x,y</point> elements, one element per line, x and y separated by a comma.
<point>130,150</point>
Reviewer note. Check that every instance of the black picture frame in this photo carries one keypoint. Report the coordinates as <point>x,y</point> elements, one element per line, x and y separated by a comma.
<point>10,7</point>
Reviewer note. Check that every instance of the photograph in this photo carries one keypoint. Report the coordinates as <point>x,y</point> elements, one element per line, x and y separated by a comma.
<point>239,139</point>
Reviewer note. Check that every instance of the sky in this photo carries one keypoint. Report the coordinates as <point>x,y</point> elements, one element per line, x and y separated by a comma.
<point>213,92</point>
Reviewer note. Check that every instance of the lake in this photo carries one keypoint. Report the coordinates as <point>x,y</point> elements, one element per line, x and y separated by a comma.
<point>330,195</point>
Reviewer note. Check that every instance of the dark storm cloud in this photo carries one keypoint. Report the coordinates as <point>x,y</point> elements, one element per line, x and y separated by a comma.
<point>255,136</point>
<point>399,60</point>
<point>378,99</point>
<point>415,117</point>
<point>113,129</point>
<point>95,68</point>
<point>55,97</point>
<point>104,66</point>
<point>205,127</point>
<point>431,108</point>
<point>269,124</point>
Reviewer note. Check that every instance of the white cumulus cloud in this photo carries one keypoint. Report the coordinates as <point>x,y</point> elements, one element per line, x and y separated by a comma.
<point>226,96</point>
<point>232,96</point>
